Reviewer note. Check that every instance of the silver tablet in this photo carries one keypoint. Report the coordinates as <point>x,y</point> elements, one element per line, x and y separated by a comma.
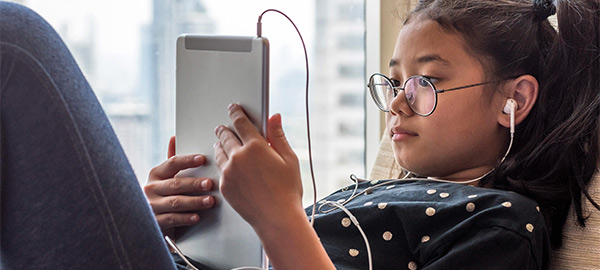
<point>213,72</point>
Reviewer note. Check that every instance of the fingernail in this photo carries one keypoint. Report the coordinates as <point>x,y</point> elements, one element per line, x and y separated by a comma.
<point>206,201</point>
<point>216,145</point>
<point>198,158</point>
<point>204,185</point>
<point>231,106</point>
<point>194,218</point>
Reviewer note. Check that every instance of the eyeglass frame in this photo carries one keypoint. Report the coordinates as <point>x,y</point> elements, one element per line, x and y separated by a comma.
<point>402,88</point>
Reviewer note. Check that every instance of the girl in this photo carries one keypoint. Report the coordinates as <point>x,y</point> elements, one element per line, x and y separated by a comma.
<point>462,76</point>
<point>461,71</point>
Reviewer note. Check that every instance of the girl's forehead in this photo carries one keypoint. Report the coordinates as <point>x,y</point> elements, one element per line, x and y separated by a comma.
<point>424,41</point>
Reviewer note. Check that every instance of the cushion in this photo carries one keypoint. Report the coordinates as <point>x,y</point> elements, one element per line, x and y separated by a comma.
<point>385,166</point>
<point>581,245</point>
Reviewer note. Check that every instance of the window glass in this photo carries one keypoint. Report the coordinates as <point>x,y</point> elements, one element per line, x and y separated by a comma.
<point>126,50</point>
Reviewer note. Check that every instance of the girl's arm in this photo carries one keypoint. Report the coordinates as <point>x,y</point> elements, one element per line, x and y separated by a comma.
<point>261,180</point>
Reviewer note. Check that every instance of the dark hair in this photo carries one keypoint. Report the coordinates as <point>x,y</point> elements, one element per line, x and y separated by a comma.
<point>555,150</point>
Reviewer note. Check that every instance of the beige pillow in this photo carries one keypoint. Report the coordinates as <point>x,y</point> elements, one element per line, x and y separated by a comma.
<point>385,166</point>
<point>581,246</point>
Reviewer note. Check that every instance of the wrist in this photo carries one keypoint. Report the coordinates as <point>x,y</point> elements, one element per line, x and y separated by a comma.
<point>281,222</point>
<point>292,243</point>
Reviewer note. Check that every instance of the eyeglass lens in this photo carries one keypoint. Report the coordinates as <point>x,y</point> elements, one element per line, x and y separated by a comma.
<point>418,91</point>
<point>381,90</point>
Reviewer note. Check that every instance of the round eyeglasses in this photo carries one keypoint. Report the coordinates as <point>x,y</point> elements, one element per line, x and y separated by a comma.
<point>419,91</point>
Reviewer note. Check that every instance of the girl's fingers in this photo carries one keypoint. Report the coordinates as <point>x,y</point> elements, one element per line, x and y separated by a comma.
<point>181,203</point>
<point>176,186</point>
<point>171,150</point>
<point>173,165</point>
<point>244,127</point>
<point>173,220</point>
<point>227,140</point>
<point>220,156</point>
<point>276,137</point>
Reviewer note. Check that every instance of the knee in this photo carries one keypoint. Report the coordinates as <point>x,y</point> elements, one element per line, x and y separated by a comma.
<point>23,27</point>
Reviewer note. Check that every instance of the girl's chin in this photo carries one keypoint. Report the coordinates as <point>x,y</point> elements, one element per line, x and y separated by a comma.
<point>412,168</point>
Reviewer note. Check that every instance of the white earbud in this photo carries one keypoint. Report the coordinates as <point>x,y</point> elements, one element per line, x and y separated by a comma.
<point>509,108</point>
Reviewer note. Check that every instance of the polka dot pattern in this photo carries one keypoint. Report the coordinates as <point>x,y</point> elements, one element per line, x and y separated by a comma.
<point>429,211</point>
<point>346,222</point>
<point>387,236</point>
<point>425,239</point>
<point>529,227</point>
<point>470,207</point>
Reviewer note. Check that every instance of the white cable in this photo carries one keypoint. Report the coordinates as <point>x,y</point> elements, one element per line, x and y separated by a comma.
<point>512,137</point>
<point>356,223</point>
<point>406,178</point>
<point>310,159</point>
<point>178,251</point>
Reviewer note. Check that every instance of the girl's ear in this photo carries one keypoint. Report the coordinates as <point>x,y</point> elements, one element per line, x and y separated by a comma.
<point>524,90</point>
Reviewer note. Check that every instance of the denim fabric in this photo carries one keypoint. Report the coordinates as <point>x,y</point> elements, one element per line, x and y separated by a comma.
<point>69,198</point>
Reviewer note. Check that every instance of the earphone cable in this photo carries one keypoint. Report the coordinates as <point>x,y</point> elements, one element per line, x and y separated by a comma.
<point>310,159</point>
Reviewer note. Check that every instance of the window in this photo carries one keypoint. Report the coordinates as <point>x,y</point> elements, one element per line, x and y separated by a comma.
<point>351,12</point>
<point>351,70</point>
<point>349,129</point>
<point>126,49</point>
<point>354,41</point>
<point>350,100</point>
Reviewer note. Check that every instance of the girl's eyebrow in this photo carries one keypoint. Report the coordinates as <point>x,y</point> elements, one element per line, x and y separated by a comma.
<point>432,58</point>
<point>425,59</point>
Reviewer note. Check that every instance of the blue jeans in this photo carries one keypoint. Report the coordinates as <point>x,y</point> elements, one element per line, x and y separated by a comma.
<point>68,196</point>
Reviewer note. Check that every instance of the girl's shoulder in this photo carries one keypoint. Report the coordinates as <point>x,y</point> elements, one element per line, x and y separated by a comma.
<point>431,220</point>
<point>442,206</point>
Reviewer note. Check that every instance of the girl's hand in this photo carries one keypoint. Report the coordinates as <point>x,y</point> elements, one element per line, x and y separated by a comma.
<point>260,178</point>
<point>175,200</point>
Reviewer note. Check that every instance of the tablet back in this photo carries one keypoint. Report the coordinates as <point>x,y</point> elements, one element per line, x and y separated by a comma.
<point>213,72</point>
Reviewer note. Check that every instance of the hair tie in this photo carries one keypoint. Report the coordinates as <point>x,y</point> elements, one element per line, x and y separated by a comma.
<point>543,9</point>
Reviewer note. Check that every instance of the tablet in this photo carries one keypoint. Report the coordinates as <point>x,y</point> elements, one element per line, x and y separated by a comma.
<point>211,73</point>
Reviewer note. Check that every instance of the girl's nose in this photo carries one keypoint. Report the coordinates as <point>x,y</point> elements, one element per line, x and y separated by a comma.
<point>399,105</point>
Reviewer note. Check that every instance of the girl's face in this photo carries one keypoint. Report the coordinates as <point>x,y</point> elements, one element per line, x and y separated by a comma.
<point>462,139</point>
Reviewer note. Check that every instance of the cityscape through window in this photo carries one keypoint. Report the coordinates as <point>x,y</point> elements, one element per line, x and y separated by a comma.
<point>126,49</point>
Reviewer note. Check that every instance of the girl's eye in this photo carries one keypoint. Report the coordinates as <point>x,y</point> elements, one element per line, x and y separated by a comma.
<point>423,82</point>
<point>396,83</point>
<point>433,80</point>
<point>427,81</point>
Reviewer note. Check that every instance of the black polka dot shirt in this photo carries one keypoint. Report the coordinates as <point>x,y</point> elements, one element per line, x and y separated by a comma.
<point>426,224</point>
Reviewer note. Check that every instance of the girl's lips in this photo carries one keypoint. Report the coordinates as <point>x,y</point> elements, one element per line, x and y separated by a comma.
<point>399,134</point>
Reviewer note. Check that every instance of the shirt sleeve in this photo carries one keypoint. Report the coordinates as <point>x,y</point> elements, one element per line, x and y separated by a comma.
<point>486,248</point>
